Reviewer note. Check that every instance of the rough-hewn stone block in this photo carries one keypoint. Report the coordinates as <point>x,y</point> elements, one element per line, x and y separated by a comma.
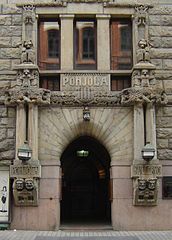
<point>162,53</point>
<point>10,53</point>
<point>167,111</point>
<point>164,132</point>
<point>161,10</point>
<point>10,31</point>
<point>3,111</point>
<point>5,20</point>
<point>10,9</point>
<point>170,143</point>
<point>160,31</point>
<point>167,64</point>
<point>5,65</point>
<point>163,75</point>
<point>16,20</point>
<point>157,63</point>
<point>7,144</point>
<point>154,20</point>
<point>16,41</point>
<point>7,155</point>
<point>11,112</point>
<point>11,133</point>
<point>5,42</point>
<point>3,133</point>
<point>162,143</point>
<point>165,154</point>
<point>166,20</point>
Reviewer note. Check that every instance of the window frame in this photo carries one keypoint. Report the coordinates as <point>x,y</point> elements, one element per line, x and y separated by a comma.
<point>79,63</point>
<point>43,47</point>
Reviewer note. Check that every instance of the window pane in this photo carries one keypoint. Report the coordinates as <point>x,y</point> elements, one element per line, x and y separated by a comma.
<point>85,45</point>
<point>49,44</point>
<point>50,82</point>
<point>118,83</point>
<point>121,44</point>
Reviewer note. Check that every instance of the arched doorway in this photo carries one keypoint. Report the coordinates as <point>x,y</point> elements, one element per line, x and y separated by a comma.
<point>85,182</point>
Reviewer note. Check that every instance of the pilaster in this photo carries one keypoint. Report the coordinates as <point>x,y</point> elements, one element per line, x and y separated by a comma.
<point>20,126</point>
<point>33,130</point>
<point>66,42</point>
<point>138,132</point>
<point>103,42</point>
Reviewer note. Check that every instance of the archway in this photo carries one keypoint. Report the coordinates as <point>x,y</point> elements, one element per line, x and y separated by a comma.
<point>85,182</point>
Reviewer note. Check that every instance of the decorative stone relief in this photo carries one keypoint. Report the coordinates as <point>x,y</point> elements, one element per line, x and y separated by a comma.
<point>28,52</point>
<point>27,78</point>
<point>143,53</point>
<point>25,185</point>
<point>145,183</point>
<point>29,14</point>
<point>29,18</point>
<point>145,192</point>
<point>31,95</point>
<point>143,77</point>
<point>141,14</point>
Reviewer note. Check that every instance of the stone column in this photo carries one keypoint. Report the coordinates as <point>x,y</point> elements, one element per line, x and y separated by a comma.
<point>138,132</point>
<point>20,126</point>
<point>66,42</point>
<point>151,126</point>
<point>33,130</point>
<point>103,42</point>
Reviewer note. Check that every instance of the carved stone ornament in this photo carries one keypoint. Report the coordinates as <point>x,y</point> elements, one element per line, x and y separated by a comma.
<point>145,191</point>
<point>141,15</point>
<point>143,77</point>
<point>143,52</point>
<point>139,95</point>
<point>25,191</point>
<point>27,95</point>
<point>27,78</point>
<point>29,14</point>
<point>28,52</point>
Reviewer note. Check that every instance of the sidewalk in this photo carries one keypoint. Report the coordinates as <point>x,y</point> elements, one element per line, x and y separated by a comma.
<point>95,235</point>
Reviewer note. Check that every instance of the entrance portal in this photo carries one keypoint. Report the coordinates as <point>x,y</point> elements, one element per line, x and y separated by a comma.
<point>85,182</point>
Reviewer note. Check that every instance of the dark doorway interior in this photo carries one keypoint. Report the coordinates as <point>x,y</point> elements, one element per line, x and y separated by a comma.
<point>85,182</point>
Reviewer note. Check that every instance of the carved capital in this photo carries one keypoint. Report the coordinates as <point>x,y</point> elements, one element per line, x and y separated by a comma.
<point>141,15</point>
<point>29,14</point>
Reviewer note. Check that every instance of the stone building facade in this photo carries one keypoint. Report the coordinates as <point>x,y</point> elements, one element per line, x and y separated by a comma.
<point>86,122</point>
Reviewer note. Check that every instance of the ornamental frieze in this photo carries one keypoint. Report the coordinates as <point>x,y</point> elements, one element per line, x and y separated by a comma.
<point>31,95</point>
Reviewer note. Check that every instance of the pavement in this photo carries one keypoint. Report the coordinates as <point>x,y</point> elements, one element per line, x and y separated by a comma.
<point>85,235</point>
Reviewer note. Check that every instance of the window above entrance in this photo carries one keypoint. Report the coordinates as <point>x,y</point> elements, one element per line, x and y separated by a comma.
<point>85,44</point>
<point>49,44</point>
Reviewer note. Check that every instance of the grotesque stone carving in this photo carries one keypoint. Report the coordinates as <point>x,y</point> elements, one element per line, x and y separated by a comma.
<point>145,192</point>
<point>25,191</point>
<point>29,14</point>
<point>28,52</point>
<point>27,78</point>
<point>143,78</point>
<point>143,53</point>
<point>141,15</point>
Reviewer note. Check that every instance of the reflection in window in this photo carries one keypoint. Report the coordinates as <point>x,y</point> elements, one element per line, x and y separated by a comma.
<point>53,43</point>
<point>167,187</point>
<point>121,45</point>
<point>85,45</point>
<point>119,83</point>
<point>50,82</point>
<point>49,45</point>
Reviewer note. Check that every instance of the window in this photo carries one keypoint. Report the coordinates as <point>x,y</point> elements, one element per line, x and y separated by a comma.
<point>120,82</point>
<point>49,45</point>
<point>121,44</point>
<point>167,187</point>
<point>50,82</point>
<point>85,44</point>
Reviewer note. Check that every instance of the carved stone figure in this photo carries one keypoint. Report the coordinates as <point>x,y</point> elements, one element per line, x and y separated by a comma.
<point>25,191</point>
<point>28,53</point>
<point>143,53</point>
<point>145,193</point>
<point>28,78</point>
<point>29,14</point>
<point>141,14</point>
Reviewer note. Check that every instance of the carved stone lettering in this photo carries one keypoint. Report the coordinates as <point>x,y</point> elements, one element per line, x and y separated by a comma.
<point>138,170</point>
<point>74,82</point>
<point>23,171</point>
